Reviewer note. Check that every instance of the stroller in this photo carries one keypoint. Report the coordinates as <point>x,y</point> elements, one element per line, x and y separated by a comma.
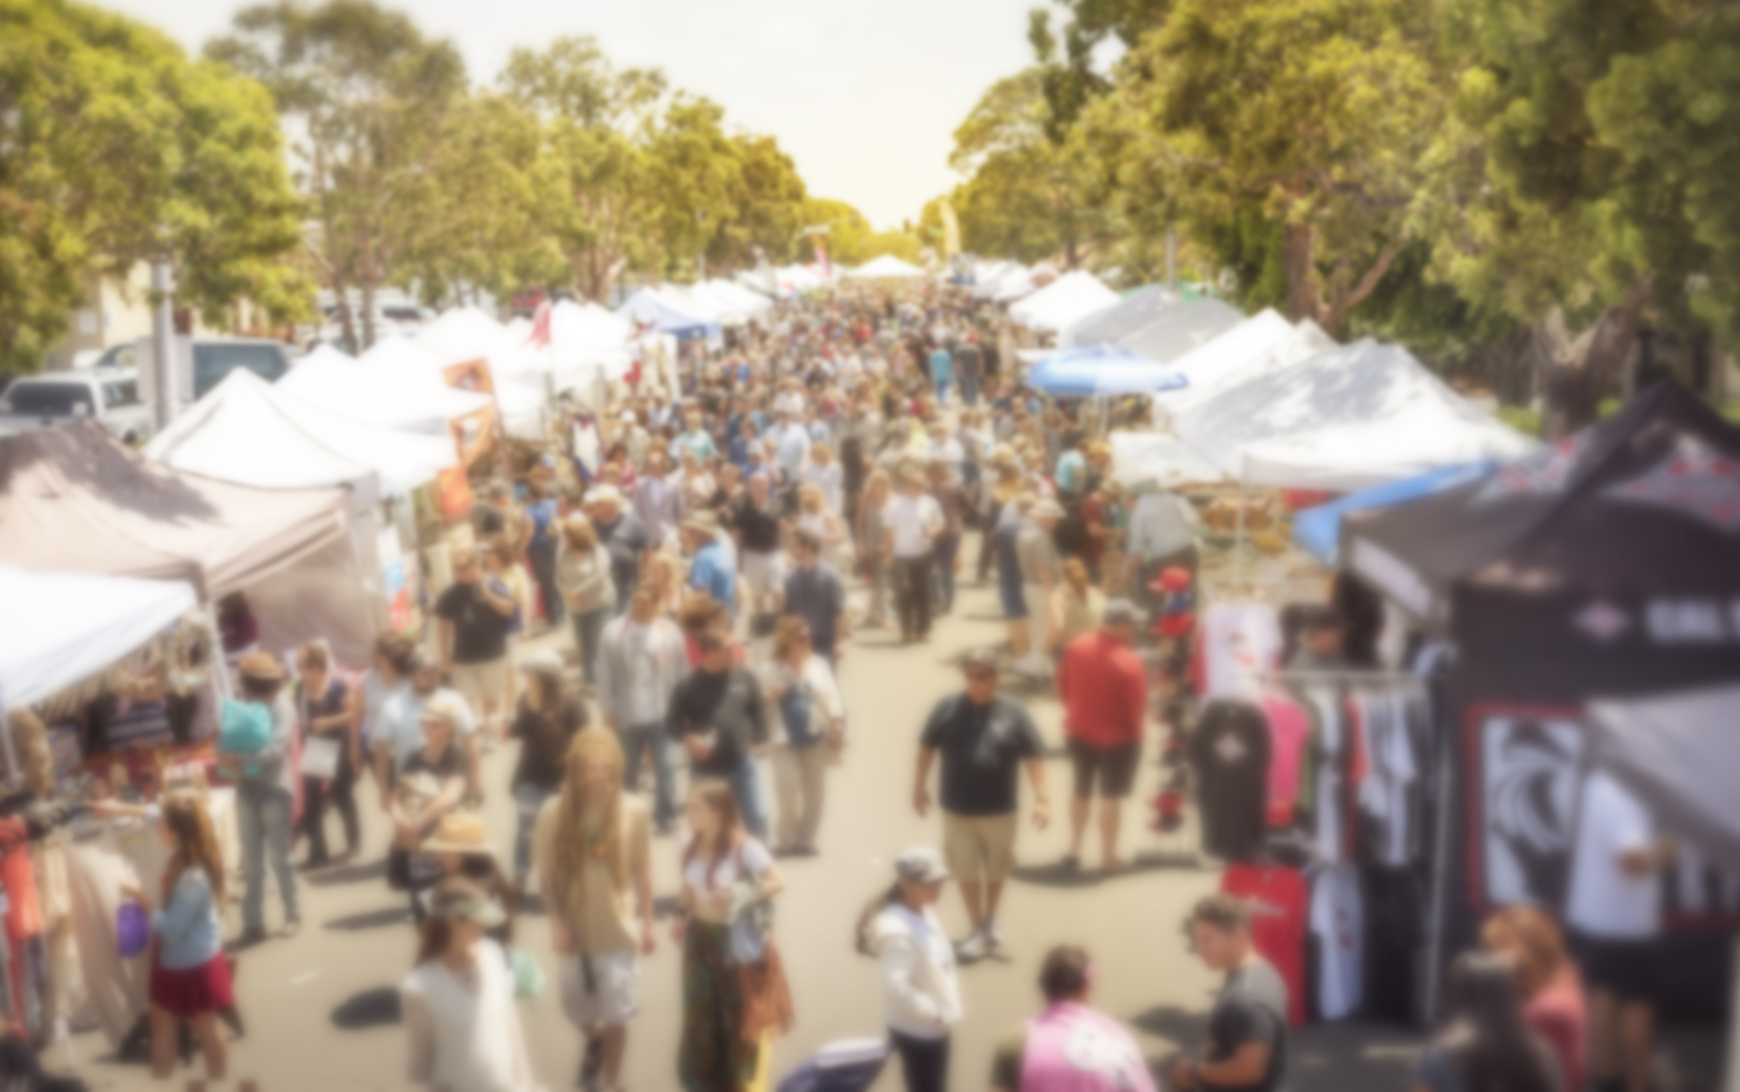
<point>849,1065</point>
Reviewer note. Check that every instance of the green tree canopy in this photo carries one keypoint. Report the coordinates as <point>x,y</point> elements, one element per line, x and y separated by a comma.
<point>116,149</point>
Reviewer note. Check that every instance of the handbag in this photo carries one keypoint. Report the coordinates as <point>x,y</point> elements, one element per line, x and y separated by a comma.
<point>529,978</point>
<point>320,755</point>
<point>132,930</point>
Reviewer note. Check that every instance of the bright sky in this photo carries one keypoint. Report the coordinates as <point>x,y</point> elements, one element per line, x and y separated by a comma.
<point>863,94</point>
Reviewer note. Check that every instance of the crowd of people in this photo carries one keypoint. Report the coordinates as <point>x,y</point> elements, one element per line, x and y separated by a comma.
<point>819,478</point>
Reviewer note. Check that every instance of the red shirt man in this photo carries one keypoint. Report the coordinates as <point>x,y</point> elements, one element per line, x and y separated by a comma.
<point>1105,699</point>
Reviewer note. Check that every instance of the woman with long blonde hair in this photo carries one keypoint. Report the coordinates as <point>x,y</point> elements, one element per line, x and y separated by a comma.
<point>592,847</point>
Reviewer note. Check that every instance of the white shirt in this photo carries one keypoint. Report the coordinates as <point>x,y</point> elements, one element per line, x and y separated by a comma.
<point>915,521</point>
<point>951,452</point>
<point>640,653</point>
<point>791,447</point>
<point>722,876</point>
<point>1337,921</point>
<point>1605,901</point>
<point>921,993</point>
<point>1160,524</point>
<point>466,1036</point>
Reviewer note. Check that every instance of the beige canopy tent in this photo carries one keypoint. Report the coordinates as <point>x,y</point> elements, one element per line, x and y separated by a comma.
<point>75,500</point>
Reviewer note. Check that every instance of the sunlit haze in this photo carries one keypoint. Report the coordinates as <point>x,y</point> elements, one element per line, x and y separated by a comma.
<point>864,94</point>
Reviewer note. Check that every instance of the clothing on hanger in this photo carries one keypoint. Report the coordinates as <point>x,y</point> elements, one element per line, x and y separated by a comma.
<point>1236,644</point>
<point>1289,732</point>
<point>1230,752</point>
<point>1338,928</point>
<point>1277,898</point>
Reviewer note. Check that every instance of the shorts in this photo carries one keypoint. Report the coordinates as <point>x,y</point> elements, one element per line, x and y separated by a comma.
<point>980,847</point>
<point>1113,767</point>
<point>765,573</point>
<point>1623,968</point>
<point>480,682</point>
<point>600,990</point>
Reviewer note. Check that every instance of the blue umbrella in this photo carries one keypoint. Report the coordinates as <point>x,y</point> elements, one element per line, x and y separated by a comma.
<point>1318,530</point>
<point>1094,370</point>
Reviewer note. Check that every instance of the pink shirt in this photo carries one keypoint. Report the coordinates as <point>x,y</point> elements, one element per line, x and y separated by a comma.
<point>1288,730</point>
<point>1072,1048</point>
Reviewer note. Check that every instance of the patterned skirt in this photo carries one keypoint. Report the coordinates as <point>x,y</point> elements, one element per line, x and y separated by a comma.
<point>713,1056</point>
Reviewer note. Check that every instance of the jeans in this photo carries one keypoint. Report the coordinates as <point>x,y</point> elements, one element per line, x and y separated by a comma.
<point>912,594</point>
<point>970,387</point>
<point>528,801</point>
<point>542,556</point>
<point>650,740</point>
<point>588,629</point>
<point>923,1062</point>
<point>942,389</point>
<point>746,786</point>
<point>945,552</point>
<point>341,792</point>
<point>263,815</point>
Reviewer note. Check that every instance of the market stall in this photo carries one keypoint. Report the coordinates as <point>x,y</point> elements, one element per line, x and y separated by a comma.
<point>1125,315</point>
<point>1176,330</point>
<point>74,499</point>
<point>1602,567</point>
<point>1259,345</point>
<point>1062,303</point>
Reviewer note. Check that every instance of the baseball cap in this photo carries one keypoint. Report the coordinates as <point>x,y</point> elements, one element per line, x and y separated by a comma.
<point>982,658</point>
<point>545,661</point>
<point>921,864</point>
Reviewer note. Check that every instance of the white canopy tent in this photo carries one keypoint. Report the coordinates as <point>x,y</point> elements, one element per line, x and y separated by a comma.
<point>1396,416</point>
<point>989,276</point>
<point>1064,302</point>
<point>245,430</point>
<point>886,268</point>
<point>463,334</point>
<point>80,624</point>
<point>751,303</point>
<point>1177,330</point>
<point>346,388</point>
<point>1261,344</point>
<point>1023,283</point>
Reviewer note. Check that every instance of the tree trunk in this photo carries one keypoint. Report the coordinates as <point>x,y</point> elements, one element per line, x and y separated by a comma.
<point>1580,373</point>
<point>1297,245</point>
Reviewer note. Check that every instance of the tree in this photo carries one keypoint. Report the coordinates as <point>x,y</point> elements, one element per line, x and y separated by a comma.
<point>1586,178</point>
<point>485,207</point>
<point>767,205</point>
<point>369,98</point>
<point>694,174</point>
<point>1312,117</point>
<point>1068,78</point>
<point>597,170</point>
<point>1024,196</point>
<point>115,149</point>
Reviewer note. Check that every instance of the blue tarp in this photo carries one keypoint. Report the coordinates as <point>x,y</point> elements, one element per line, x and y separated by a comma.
<point>1318,530</point>
<point>647,307</point>
<point>1094,370</point>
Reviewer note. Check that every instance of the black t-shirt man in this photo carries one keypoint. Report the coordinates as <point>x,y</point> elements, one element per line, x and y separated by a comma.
<point>757,527</point>
<point>727,703</point>
<point>982,748</point>
<point>480,632</point>
<point>1250,1008</point>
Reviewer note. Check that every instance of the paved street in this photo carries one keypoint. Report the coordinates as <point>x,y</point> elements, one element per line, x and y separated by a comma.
<point>305,998</point>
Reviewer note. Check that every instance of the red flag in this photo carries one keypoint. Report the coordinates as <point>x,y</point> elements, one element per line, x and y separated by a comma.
<point>540,326</point>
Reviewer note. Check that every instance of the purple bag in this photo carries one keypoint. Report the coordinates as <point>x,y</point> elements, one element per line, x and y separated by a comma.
<point>132,930</point>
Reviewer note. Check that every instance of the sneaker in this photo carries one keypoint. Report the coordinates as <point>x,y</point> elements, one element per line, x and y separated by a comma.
<point>976,946</point>
<point>993,937</point>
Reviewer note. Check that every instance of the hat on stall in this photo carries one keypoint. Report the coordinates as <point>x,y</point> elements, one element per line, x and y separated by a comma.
<point>604,494</point>
<point>262,666</point>
<point>458,897</point>
<point>459,832</point>
<point>921,864</point>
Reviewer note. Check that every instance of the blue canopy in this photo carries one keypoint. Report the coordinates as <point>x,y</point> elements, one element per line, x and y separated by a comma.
<point>1318,530</point>
<point>649,307</point>
<point>1091,370</point>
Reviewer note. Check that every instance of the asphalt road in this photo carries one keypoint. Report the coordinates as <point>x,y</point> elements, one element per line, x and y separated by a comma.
<point>312,1002</point>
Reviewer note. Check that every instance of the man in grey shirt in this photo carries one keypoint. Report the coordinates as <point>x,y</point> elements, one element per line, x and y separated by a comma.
<point>1247,1028</point>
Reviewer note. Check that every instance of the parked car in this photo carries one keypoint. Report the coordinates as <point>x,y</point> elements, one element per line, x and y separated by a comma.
<point>214,358</point>
<point>108,396</point>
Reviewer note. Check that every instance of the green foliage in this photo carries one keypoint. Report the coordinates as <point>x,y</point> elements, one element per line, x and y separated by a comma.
<point>115,149</point>
<point>370,99</point>
<point>1068,77</point>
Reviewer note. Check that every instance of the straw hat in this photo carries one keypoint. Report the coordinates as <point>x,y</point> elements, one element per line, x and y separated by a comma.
<point>459,832</point>
<point>444,708</point>
<point>702,522</point>
<point>1046,509</point>
<point>604,494</point>
<point>262,666</point>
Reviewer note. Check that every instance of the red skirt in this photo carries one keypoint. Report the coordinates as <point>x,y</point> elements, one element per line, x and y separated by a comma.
<point>195,991</point>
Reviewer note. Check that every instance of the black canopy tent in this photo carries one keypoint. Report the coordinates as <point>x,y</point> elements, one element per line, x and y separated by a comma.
<point>1607,565</point>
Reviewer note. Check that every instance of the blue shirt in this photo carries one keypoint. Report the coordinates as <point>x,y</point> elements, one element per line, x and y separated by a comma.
<point>712,572</point>
<point>941,364</point>
<point>698,443</point>
<point>187,926</point>
<point>1071,472</point>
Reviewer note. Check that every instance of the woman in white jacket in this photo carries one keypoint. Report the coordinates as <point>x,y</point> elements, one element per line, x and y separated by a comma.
<point>920,989</point>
